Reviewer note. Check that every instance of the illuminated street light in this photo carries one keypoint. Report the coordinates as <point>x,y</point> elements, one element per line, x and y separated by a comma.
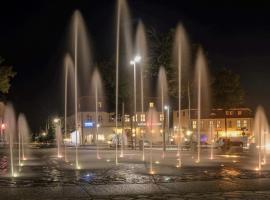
<point>56,120</point>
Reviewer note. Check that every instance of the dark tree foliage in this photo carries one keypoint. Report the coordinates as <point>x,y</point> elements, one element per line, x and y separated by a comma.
<point>226,90</point>
<point>6,74</point>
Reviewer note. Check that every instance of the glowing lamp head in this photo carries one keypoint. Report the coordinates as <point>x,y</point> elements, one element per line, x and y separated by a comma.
<point>56,120</point>
<point>132,62</point>
<point>137,58</point>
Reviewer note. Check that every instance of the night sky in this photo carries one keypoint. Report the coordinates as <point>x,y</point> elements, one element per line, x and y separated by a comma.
<point>235,34</point>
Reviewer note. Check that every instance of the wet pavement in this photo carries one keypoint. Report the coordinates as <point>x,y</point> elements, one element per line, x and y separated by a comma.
<point>47,177</point>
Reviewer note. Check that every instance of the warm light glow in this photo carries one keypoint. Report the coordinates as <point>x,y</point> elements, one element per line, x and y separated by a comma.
<point>157,162</point>
<point>257,169</point>
<point>189,133</point>
<point>166,107</point>
<point>3,126</point>
<point>44,134</point>
<point>15,175</point>
<point>98,125</point>
<point>152,172</point>
<point>78,167</point>
<point>108,160</point>
<point>56,120</point>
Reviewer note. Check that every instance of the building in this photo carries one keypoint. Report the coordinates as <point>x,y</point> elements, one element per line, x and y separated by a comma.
<point>92,121</point>
<point>236,124</point>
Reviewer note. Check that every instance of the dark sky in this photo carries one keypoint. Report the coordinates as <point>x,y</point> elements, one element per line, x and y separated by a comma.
<point>235,34</point>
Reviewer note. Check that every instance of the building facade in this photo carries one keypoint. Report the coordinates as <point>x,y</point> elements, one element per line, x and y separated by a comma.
<point>236,124</point>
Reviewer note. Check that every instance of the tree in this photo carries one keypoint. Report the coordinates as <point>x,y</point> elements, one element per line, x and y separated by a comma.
<point>6,74</point>
<point>226,90</point>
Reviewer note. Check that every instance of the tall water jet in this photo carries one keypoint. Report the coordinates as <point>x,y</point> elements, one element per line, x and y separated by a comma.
<point>261,128</point>
<point>58,134</point>
<point>23,136</point>
<point>122,22</point>
<point>152,122</point>
<point>202,83</point>
<point>82,57</point>
<point>98,94</point>
<point>69,74</point>
<point>10,122</point>
<point>163,95</point>
<point>181,61</point>
<point>141,50</point>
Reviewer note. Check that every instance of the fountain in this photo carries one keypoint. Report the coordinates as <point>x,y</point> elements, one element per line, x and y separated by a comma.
<point>123,23</point>
<point>98,93</point>
<point>261,128</point>
<point>23,136</point>
<point>58,136</point>
<point>69,74</point>
<point>141,49</point>
<point>82,57</point>
<point>152,123</point>
<point>181,60</point>
<point>203,101</point>
<point>163,94</point>
<point>10,123</point>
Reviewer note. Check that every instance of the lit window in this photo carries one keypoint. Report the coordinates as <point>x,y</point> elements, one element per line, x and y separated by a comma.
<point>194,124</point>
<point>201,124</point>
<point>99,104</point>
<point>245,123</point>
<point>161,117</point>
<point>227,113</point>
<point>136,117</point>
<point>231,112</point>
<point>142,117</point>
<point>239,112</point>
<point>238,124</point>
<point>210,123</point>
<point>218,124</point>
<point>151,104</point>
<point>127,118</point>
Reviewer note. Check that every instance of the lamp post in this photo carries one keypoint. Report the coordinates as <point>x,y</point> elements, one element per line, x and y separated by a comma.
<point>133,62</point>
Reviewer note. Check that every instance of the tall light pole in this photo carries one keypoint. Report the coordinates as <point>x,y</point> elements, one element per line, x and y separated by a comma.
<point>133,62</point>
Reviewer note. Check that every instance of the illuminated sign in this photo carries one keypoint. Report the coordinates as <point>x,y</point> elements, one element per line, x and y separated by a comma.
<point>88,124</point>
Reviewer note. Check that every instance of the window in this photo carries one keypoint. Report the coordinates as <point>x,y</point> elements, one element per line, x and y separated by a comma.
<point>238,124</point>
<point>227,113</point>
<point>99,104</point>
<point>99,118</point>
<point>151,104</point>
<point>142,117</point>
<point>210,123</point>
<point>184,113</point>
<point>127,118</point>
<point>194,124</point>
<point>201,124</point>
<point>161,117</point>
<point>218,124</point>
<point>239,112</point>
<point>230,124</point>
<point>231,112</point>
<point>245,124</point>
<point>136,117</point>
<point>177,114</point>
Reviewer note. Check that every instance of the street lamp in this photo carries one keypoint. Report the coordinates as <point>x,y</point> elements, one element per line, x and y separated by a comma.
<point>133,62</point>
